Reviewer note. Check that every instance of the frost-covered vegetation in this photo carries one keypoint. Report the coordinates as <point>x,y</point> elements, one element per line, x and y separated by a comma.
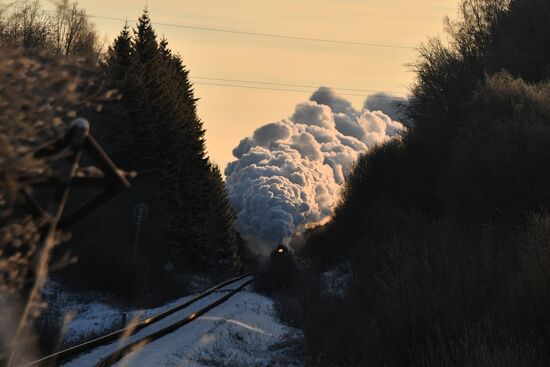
<point>38,93</point>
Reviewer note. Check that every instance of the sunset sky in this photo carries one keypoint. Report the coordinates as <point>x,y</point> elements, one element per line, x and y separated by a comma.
<point>231,113</point>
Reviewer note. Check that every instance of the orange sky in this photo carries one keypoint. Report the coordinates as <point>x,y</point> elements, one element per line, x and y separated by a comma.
<point>230,113</point>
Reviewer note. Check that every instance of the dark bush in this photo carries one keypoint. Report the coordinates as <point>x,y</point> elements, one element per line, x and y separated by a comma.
<point>446,232</point>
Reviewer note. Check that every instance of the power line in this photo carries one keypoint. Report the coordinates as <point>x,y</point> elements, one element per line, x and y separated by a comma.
<point>270,35</point>
<point>300,38</point>
<point>290,85</point>
<point>289,90</point>
<point>270,83</point>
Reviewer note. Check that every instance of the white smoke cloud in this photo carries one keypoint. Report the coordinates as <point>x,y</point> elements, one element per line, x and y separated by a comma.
<point>388,103</point>
<point>288,174</point>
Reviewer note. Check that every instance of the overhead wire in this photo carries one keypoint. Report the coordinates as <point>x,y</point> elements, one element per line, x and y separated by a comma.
<point>270,35</point>
<point>299,37</point>
<point>216,81</point>
<point>295,37</point>
<point>292,90</point>
<point>266,35</point>
<point>291,85</point>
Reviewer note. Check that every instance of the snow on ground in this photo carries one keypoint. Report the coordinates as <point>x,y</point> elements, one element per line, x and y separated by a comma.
<point>81,315</point>
<point>244,331</point>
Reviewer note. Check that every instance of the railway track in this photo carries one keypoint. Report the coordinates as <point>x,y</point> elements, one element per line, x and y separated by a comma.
<point>135,336</point>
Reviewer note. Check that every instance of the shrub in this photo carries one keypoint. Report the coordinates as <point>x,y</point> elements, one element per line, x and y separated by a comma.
<point>39,94</point>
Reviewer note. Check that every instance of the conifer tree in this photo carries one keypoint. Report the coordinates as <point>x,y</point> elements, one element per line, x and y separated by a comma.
<point>160,103</point>
<point>119,56</point>
<point>146,44</point>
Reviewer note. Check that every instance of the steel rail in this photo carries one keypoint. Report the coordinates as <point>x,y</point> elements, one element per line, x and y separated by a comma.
<point>140,343</point>
<point>73,351</point>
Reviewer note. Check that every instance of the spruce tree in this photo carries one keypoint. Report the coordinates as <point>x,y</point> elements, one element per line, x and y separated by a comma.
<point>146,45</point>
<point>119,56</point>
<point>160,103</point>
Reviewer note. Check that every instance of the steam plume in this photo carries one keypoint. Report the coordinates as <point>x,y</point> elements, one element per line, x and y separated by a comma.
<point>387,103</point>
<point>287,175</point>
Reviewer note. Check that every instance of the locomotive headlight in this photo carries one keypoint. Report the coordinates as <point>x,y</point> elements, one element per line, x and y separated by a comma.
<point>280,250</point>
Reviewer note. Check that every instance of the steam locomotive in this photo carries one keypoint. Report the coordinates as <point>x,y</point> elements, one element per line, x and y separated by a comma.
<point>281,268</point>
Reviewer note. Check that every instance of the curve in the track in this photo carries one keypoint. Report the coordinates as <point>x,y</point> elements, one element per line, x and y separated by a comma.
<point>140,343</point>
<point>71,352</point>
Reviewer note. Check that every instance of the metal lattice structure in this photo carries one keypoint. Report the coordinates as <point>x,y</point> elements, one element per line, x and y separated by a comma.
<point>65,174</point>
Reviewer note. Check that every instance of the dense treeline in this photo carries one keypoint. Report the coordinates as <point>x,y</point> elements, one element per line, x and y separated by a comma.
<point>151,127</point>
<point>142,110</point>
<point>447,232</point>
<point>154,130</point>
